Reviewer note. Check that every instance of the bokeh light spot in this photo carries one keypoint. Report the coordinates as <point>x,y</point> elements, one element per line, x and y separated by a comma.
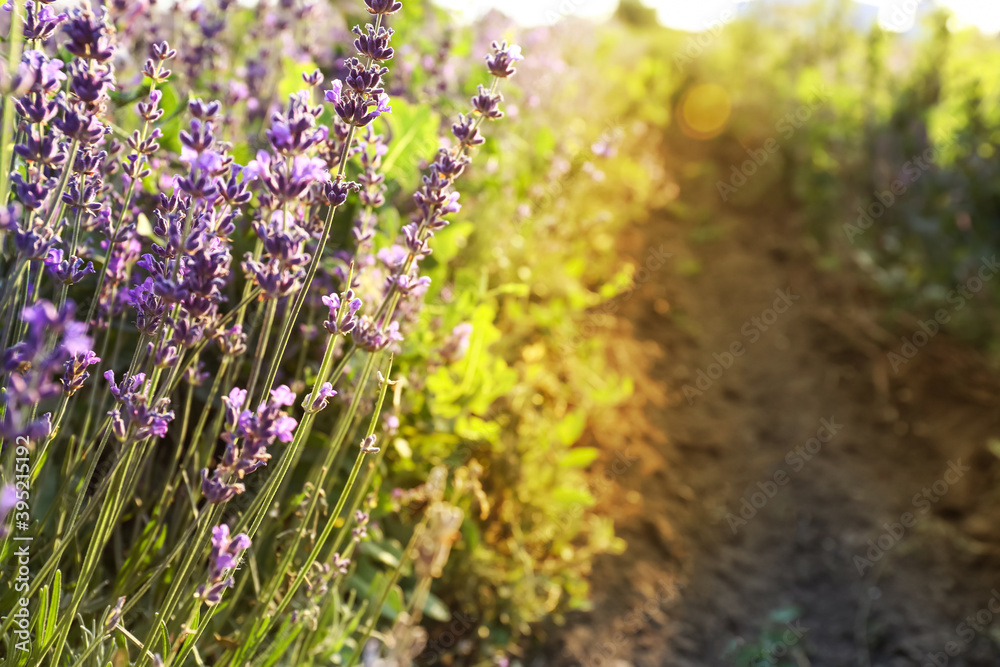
<point>704,111</point>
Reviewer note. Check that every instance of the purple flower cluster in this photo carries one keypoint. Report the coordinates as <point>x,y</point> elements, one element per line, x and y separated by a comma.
<point>135,418</point>
<point>40,22</point>
<point>457,343</point>
<point>34,366</point>
<point>76,371</point>
<point>190,268</point>
<point>360,531</point>
<point>500,63</point>
<point>284,264</point>
<point>435,200</point>
<point>83,196</point>
<point>248,434</point>
<point>225,556</point>
<point>51,118</point>
<point>343,308</point>
<point>360,98</point>
<point>68,271</point>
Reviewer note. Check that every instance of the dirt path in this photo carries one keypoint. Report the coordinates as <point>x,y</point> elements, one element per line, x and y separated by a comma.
<point>822,447</point>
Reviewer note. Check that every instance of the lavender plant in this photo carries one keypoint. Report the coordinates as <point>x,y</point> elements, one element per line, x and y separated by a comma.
<point>170,447</point>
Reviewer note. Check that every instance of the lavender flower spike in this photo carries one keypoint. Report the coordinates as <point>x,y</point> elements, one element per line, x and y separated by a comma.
<point>325,393</point>
<point>383,6</point>
<point>135,418</point>
<point>343,308</point>
<point>501,62</point>
<point>225,556</point>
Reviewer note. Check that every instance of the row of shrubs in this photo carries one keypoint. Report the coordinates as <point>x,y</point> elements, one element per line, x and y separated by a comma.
<point>894,169</point>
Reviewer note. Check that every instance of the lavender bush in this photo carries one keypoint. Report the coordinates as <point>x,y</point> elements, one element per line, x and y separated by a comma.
<point>195,344</point>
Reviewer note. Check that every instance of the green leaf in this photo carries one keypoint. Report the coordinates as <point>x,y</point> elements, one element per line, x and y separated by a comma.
<point>414,137</point>
<point>380,553</point>
<point>164,639</point>
<point>292,81</point>
<point>581,457</point>
<point>566,496</point>
<point>49,619</point>
<point>436,609</point>
<point>517,289</point>
<point>571,428</point>
<point>785,614</point>
<point>279,647</point>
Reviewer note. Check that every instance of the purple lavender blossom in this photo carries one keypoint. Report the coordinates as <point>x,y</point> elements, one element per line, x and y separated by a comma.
<point>248,434</point>
<point>232,342</point>
<point>340,563</point>
<point>295,131</point>
<point>217,489</point>
<point>457,343</point>
<point>134,419</point>
<point>408,285</point>
<point>282,269</point>
<point>383,6</point>
<point>325,393</point>
<point>394,257</point>
<point>149,307</point>
<point>224,557</point>
<point>34,365</point>
<point>88,39</point>
<point>343,308</point>
<point>76,371</point>
<point>487,103</point>
<point>42,75</point>
<point>354,97</point>
<point>8,501</point>
<point>501,62</point>
<point>361,531</point>
<point>368,444</point>
<point>374,43</point>
<point>286,184</point>
<point>41,24</point>
<point>435,200</point>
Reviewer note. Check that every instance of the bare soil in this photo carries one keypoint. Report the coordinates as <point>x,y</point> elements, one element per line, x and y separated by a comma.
<point>908,468</point>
